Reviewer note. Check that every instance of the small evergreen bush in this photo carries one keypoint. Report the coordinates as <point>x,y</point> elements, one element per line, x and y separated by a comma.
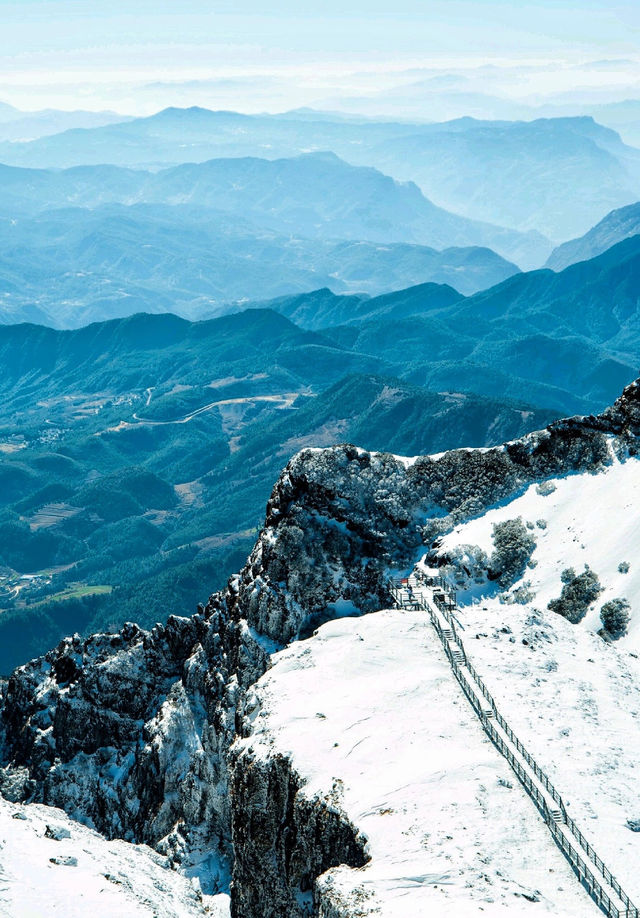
<point>615,617</point>
<point>578,593</point>
<point>513,547</point>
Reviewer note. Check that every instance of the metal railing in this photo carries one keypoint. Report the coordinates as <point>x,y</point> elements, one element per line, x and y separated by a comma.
<point>445,605</point>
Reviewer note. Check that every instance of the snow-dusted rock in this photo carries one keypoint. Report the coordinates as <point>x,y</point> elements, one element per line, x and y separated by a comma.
<point>50,865</point>
<point>339,518</point>
<point>127,732</point>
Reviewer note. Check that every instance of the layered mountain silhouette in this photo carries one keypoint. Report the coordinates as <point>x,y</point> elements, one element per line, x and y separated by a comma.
<point>567,340</point>
<point>616,226</point>
<point>555,175</point>
<point>314,195</point>
<point>69,267</point>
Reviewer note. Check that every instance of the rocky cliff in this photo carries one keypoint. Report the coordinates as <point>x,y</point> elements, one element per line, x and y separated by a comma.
<point>130,732</point>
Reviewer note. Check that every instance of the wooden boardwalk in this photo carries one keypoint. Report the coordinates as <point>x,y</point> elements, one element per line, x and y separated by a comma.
<point>434,596</point>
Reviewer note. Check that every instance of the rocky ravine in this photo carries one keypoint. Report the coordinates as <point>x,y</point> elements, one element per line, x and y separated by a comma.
<point>131,732</point>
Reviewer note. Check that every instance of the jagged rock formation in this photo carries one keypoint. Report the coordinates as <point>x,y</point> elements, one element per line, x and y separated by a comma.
<point>310,837</point>
<point>338,518</point>
<point>131,731</point>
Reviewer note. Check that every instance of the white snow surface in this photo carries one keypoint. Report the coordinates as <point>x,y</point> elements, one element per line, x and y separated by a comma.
<point>110,879</point>
<point>572,698</point>
<point>373,720</point>
<point>591,519</point>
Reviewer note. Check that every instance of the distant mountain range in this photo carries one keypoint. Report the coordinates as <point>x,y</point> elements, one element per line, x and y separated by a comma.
<point>557,176</point>
<point>313,195</point>
<point>176,135</point>
<point>454,96</point>
<point>618,225</point>
<point>565,340</point>
<point>98,242</point>
<point>19,126</point>
<point>69,267</point>
<point>321,195</point>
<point>323,308</point>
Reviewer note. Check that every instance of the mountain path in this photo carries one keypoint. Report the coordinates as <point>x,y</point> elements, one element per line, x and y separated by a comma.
<point>434,596</point>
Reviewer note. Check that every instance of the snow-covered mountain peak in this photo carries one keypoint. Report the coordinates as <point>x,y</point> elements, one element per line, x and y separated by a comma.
<point>133,731</point>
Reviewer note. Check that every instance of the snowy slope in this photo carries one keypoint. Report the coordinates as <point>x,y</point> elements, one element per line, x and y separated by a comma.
<point>572,698</point>
<point>369,714</point>
<point>591,518</point>
<point>92,877</point>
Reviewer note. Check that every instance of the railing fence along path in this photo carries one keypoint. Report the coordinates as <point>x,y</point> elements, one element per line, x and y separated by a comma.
<point>435,596</point>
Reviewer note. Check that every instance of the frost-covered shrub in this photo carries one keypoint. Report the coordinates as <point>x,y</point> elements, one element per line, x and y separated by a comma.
<point>513,546</point>
<point>578,592</point>
<point>615,617</point>
<point>541,524</point>
<point>522,595</point>
<point>623,567</point>
<point>466,564</point>
<point>435,527</point>
<point>545,488</point>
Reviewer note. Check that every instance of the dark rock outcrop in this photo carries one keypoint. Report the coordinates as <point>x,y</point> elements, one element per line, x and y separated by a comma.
<point>129,731</point>
<point>284,840</point>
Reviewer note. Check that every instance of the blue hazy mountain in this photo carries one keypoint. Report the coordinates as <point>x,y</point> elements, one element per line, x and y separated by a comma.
<point>320,194</point>
<point>314,195</point>
<point>323,308</point>
<point>618,225</point>
<point>177,135</point>
<point>558,176</point>
<point>566,340</point>
<point>72,266</point>
<point>95,242</point>
<point>27,126</point>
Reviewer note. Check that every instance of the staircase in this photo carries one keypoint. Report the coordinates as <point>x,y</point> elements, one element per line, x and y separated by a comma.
<point>433,596</point>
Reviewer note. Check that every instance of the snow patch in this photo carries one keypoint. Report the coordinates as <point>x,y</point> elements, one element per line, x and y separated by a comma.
<point>368,709</point>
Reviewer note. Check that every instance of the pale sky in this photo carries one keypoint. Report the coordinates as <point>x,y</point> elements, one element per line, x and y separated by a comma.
<point>93,53</point>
